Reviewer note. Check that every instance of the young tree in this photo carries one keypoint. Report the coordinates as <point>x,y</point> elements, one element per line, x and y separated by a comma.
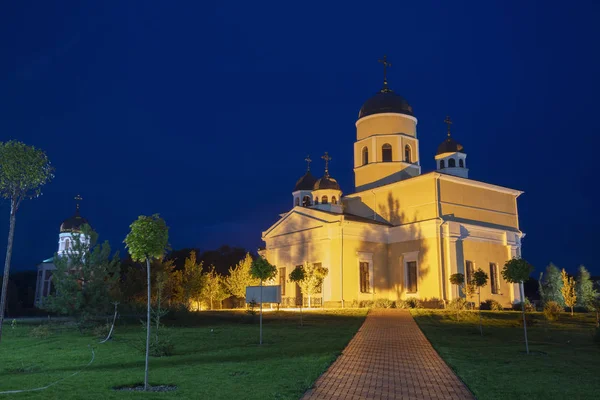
<point>192,279</point>
<point>239,278</point>
<point>480,279</point>
<point>298,275</point>
<point>551,285</point>
<point>23,171</point>
<point>584,289</point>
<point>214,287</point>
<point>148,239</point>
<point>458,280</point>
<point>517,271</point>
<point>568,290</point>
<point>263,271</point>
<point>595,306</point>
<point>311,284</point>
<point>86,278</point>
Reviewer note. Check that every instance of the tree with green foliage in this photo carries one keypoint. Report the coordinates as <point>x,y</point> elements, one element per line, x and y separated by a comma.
<point>550,285</point>
<point>263,271</point>
<point>568,290</point>
<point>86,278</point>
<point>214,287</point>
<point>480,279</point>
<point>584,289</point>
<point>298,275</point>
<point>192,280</point>
<point>458,280</point>
<point>23,171</point>
<point>148,239</point>
<point>595,306</point>
<point>312,283</point>
<point>517,271</point>
<point>240,277</point>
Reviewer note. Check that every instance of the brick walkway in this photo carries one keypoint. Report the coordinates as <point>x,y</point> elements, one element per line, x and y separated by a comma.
<point>389,358</point>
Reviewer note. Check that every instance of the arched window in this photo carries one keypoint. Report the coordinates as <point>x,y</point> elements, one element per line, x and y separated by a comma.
<point>333,200</point>
<point>442,164</point>
<point>407,154</point>
<point>67,244</point>
<point>461,163</point>
<point>451,163</point>
<point>297,201</point>
<point>324,200</point>
<point>365,156</point>
<point>306,201</point>
<point>386,152</point>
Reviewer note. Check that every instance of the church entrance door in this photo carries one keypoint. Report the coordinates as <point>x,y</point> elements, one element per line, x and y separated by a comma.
<point>298,296</point>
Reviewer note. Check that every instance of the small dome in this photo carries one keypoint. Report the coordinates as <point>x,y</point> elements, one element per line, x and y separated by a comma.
<point>73,224</point>
<point>326,182</point>
<point>306,182</point>
<point>450,146</point>
<point>386,101</point>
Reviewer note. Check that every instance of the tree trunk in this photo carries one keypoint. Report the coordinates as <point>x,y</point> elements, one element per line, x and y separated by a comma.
<point>480,327</point>
<point>523,309</point>
<point>597,318</point>
<point>309,301</point>
<point>147,326</point>
<point>261,312</point>
<point>11,234</point>
<point>571,311</point>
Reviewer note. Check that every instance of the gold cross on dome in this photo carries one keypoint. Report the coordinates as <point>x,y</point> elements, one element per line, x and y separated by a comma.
<point>308,161</point>
<point>448,122</point>
<point>327,159</point>
<point>78,198</point>
<point>386,64</point>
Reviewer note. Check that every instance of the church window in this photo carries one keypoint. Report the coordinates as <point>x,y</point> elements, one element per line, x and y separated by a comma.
<point>494,278</point>
<point>386,153</point>
<point>282,280</point>
<point>407,154</point>
<point>469,269</point>
<point>461,163</point>
<point>297,201</point>
<point>411,274</point>
<point>316,200</point>
<point>364,277</point>
<point>333,200</point>
<point>451,163</point>
<point>324,200</point>
<point>365,155</point>
<point>306,201</point>
<point>67,244</point>
<point>442,164</point>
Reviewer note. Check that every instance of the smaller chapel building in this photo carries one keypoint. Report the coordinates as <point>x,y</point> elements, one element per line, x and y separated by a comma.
<point>402,233</point>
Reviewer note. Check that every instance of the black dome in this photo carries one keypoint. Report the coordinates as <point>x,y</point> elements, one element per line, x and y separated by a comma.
<point>73,224</point>
<point>326,182</point>
<point>450,146</point>
<point>386,101</point>
<point>306,182</point>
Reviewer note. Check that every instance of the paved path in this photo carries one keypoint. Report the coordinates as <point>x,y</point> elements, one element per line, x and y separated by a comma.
<point>389,358</point>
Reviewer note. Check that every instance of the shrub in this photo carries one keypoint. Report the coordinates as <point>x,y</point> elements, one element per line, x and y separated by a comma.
<point>162,346</point>
<point>552,310</point>
<point>366,304</point>
<point>490,304</point>
<point>384,303</point>
<point>40,332</point>
<point>101,331</point>
<point>410,303</point>
<point>458,304</point>
<point>528,306</point>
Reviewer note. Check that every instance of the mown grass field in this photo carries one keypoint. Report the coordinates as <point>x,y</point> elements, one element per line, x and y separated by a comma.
<point>564,364</point>
<point>217,356</point>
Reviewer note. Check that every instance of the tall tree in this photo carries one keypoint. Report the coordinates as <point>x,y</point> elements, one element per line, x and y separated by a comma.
<point>312,281</point>
<point>584,289</point>
<point>214,287</point>
<point>192,279</point>
<point>240,277</point>
<point>551,285</point>
<point>23,171</point>
<point>517,271</point>
<point>479,280</point>
<point>264,271</point>
<point>568,290</point>
<point>86,278</point>
<point>148,239</point>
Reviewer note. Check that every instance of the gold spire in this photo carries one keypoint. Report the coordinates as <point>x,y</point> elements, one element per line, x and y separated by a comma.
<point>308,161</point>
<point>327,159</point>
<point>448,122</point>
<point>386,64</point>
<point>78,198</point>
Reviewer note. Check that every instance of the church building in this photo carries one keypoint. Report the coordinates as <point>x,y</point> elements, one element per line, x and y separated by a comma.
<point>402,233</point>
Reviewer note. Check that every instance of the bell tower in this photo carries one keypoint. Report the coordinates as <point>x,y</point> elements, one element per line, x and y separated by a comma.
<point>386,148</point>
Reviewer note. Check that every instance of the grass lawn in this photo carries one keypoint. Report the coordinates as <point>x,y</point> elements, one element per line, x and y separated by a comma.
<point>217,357</point>
<point>564,364</point>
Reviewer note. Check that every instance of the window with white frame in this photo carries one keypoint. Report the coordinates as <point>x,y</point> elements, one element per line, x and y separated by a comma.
<point>411,272</point>
<point>494,278</point>
<point>365,270</point>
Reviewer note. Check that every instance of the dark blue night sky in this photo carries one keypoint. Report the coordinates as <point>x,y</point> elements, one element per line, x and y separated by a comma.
<point>204,112</point>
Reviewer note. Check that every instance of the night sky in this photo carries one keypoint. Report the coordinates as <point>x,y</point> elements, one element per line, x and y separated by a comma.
<point>205,112</point>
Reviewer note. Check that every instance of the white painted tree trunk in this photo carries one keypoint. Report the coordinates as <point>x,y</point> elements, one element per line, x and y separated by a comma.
<point>523,309</point>
<point>147,326</point>
<point>261,285</point>
<point>11,235</point>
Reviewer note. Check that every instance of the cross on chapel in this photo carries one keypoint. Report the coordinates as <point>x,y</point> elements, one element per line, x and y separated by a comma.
<point>327,159</point>
<point>448,122</point>
<point>386,64</point>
